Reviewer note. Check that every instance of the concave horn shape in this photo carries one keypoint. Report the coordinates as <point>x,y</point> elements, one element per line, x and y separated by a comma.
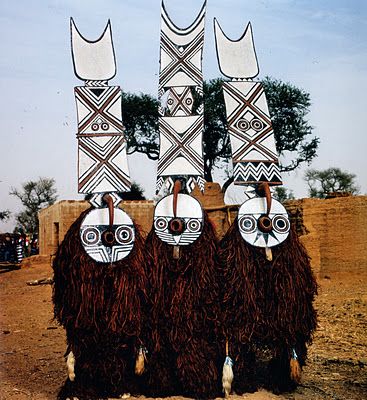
<point>236,58</point>
<point>93,60</point>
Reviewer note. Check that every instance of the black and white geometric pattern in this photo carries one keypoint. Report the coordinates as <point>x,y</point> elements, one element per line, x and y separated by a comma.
<point>254,154</point>
<point>248,216</point>
<point>102,159</point>
<point>92,228</point>
<point>191,183</point>
<point>96,83</point>
<point>99,110</point>
<point>188,210</point>
<point>181,52</point>
<point>103,164</point>
<point>180,146</point>
<point>97,200</point>
<point>19,251</point>
<point>180,129</point>
<point>180,101</point>
<point>252,172</point>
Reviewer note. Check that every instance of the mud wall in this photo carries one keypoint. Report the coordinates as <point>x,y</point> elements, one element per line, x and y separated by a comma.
<point>56,220</point>
<point>334,231</point>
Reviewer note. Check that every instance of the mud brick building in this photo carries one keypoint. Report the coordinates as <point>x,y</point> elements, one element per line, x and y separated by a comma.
<point>334,231</point>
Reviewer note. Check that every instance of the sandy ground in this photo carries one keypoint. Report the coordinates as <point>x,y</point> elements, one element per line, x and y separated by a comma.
<point>32,346</point>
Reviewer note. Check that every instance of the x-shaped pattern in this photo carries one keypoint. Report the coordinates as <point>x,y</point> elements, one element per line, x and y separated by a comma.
<point>181,145</point>
<point>246,104</point>
<point>102,159</point>
<point>181,59</point>
<point>99,111</point>
<point>180,102</point>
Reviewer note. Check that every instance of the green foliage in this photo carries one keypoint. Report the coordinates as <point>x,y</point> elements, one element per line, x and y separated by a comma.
<point>288,106</point>
<point>5,215</point>
<point>216,143</point>
<point>34,195</point>
<point>136,193</point>
<point>140,118</point>
<point>331,180</point>
<point>282,194</point>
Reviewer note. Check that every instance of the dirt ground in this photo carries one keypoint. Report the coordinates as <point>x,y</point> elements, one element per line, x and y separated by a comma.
<point>32,346</point>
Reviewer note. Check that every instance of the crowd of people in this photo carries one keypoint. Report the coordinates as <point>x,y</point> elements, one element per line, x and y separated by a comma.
<point>15,246</point>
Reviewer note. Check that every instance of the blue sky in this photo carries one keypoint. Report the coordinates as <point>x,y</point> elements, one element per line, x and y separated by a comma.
<point>319,46</point>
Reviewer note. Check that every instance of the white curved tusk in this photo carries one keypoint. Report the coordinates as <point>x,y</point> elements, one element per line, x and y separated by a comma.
<point>70,363</point>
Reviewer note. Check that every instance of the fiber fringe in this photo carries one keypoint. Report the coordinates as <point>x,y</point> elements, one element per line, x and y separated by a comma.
<point>267,307</point>
<point>102,308</point>
<point>185,317</point>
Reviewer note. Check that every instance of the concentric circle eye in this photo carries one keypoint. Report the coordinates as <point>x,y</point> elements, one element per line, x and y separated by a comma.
<point>161,224</point>
<point>124,234</point>
<point>193,225</point>
<point>105,126</point>
<point>95,127</point>
<point>188,101</point>
<point>247,224</point>
<point>256,125</point>
<point>243,124</point>
<point>91,236</point>
<point>170,102</point>
<point>281,224</point>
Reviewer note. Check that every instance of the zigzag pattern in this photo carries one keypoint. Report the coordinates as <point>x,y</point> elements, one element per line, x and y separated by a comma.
<point>254,154</point>
<point>185,238</point>
<point>254,172</point>
<point>102,164</point>
<point>191,182</point>
<point>107,255</point>
<point>96,199</point>
<point>195,180</point>
<point>96,83</point>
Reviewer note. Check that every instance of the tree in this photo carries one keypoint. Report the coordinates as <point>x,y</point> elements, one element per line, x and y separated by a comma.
<point>140,118</point>
<point>216,143</point>
<point>34,195</point>
<point>282,194</point>
<point>288,106</point>
<point>4,215</point>
<point>136,192</point>
<point>331,180</point>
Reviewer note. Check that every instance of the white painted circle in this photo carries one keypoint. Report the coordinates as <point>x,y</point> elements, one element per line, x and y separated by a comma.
<point>248,216</point>
<point>95,223</point>
<point>188,209</point>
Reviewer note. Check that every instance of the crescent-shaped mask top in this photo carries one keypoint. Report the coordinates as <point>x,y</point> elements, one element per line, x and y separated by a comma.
<point>93,60</point>
<point>182,36</point>
<point>181,51</point>
<point>236,58</point>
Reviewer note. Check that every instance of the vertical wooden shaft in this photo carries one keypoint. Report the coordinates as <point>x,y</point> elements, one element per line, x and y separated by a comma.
<point>107,198</point>
<point>176,190</point>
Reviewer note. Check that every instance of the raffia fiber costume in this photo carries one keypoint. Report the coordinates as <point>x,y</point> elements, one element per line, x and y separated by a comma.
<point>184,301</point>
<point>101,307</point>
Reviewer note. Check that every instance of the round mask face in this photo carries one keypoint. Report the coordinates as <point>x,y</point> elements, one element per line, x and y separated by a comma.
<point>102,243</point>
<point>248,217</point>
<point>188,221</point>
